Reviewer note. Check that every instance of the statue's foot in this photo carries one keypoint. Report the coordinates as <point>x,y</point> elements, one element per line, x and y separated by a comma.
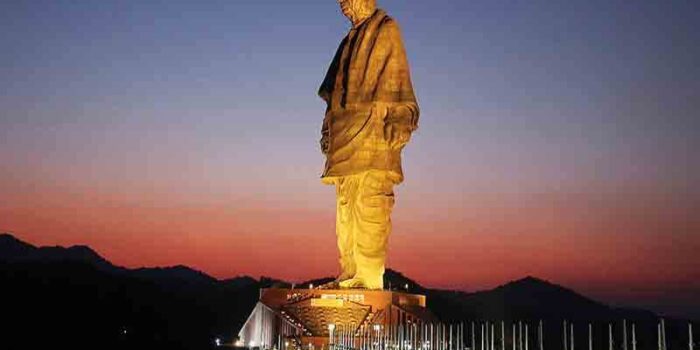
<point>330,285</point>
<point>359,283</point>
<point>376,283</point>
<point>352,283</point>
<point>345,275</point>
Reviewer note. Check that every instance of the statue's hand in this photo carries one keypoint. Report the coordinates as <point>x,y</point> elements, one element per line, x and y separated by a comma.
<point>397,134</point>
<point>399,123</point>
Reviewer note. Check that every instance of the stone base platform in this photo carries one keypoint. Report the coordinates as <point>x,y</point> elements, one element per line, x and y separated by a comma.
<point>288,319</point>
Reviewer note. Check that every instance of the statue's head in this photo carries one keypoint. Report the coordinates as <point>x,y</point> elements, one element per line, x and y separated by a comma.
<point>357,10</point>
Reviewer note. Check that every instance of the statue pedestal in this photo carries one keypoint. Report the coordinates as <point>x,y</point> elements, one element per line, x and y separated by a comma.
<point>288,319</point>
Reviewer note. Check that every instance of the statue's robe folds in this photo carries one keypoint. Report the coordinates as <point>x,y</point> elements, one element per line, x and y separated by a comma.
<point>371,112</point>
<point>367,87</point>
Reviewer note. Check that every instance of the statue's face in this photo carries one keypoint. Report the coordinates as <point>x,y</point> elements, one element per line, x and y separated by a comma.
<point>345,7</point>
<point>356,10</point>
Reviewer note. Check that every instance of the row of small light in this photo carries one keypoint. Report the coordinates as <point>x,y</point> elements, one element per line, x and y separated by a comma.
<point>299,324</point>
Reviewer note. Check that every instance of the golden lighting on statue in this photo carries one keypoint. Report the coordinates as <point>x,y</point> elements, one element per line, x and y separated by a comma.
<point>370,115</point>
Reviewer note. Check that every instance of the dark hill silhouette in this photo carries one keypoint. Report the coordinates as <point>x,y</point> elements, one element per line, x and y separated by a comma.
<point>532,300</point>
<point>240,282</point>
<point>12,249</point>
<point>174,276</point>
<point>74,298</point>
<point>529,298</point>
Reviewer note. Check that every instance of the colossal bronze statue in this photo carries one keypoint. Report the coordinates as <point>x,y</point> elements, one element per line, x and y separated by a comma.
<point>370,115</point>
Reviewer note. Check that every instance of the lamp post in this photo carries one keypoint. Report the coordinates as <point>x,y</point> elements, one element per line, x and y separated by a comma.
<point>690,336</point>
<point>527,337</point>
<point>663,333</point>
<point>571,338</point>
<point>503,335</point>
<point>331,328</point>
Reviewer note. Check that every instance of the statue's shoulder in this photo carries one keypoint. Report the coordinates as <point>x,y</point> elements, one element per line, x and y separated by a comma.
<point>384,19</point>
<point>388,25</point>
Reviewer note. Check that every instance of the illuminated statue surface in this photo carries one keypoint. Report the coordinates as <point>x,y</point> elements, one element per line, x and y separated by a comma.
<point>370,115</point>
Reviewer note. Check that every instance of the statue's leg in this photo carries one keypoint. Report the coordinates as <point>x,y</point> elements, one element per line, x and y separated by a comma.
<point>375,202</point>
<point>346,187</point>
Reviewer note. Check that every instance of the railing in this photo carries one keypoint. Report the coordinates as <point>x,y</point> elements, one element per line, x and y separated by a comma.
<point>487,335</point>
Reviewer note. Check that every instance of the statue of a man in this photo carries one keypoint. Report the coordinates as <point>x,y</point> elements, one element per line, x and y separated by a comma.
<point>370,115</point>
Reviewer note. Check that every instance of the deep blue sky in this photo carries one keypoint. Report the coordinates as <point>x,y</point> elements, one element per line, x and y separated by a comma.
<point>609,88</point>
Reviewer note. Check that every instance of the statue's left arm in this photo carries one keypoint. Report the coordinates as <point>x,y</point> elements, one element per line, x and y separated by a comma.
<point>394,84</point>
<point>400,123</point>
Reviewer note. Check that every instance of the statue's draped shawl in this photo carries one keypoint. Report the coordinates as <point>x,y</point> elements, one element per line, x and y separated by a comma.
<point>367,85</point>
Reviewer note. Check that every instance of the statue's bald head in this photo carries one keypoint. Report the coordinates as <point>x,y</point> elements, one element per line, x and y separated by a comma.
<point>357,10</point>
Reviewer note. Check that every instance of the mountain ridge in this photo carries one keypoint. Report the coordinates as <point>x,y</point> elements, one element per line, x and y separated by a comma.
<point>158,305</point>
<point>14,249</point>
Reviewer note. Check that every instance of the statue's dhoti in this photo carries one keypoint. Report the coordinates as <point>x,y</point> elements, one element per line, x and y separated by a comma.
<point>363,224</point>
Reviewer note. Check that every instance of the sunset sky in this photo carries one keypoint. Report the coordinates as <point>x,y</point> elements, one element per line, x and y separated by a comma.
<point>557,139</point>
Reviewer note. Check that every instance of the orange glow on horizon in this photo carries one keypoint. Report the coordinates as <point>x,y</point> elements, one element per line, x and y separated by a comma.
<point>478,244</point>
